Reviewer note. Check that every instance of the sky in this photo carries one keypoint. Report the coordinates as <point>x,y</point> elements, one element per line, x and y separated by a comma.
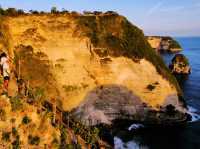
<point>154,17</point>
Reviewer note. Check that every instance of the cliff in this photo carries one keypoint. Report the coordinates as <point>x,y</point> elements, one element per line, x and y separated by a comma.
<point>161,43</point>
<point>78,60</point>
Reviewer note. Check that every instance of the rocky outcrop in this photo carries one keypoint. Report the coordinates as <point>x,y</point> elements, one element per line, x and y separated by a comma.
<point>180,65</point>
<point>164,44</point>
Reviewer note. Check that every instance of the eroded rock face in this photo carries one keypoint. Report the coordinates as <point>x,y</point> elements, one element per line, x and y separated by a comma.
<point>180,65</point>
<point>110,103</point>
<point>107,103</point>
<point>68,58</point>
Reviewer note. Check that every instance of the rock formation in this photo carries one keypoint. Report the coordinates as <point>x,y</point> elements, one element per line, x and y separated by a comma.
<point>180,65</point>
<point>164,44</point>
<point>69,57</point>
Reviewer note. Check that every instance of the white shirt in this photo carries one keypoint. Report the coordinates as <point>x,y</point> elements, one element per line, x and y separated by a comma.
<point>6,68</point>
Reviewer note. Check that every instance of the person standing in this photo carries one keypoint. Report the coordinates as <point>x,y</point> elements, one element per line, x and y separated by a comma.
<point>5,70</point>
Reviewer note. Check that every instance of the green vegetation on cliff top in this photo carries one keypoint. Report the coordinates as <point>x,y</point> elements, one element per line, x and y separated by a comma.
<point>120,37</point>
<point>173,43</point>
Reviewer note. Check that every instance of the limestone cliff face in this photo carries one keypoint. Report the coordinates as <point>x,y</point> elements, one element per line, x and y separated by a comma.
<point>69,57</point>
<point>167,44</point>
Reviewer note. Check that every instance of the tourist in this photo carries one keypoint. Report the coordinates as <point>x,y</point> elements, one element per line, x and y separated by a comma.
<point>5,70</point>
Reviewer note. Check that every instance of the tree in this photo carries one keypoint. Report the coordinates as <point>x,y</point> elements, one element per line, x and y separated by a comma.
<point>11,12</point>
<point>20,11</point>
<point>2,11</point>
<point>54,9</point>
<point>33,11</point>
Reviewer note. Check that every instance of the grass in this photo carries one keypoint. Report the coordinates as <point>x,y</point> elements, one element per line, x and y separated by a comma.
<point>2,115</point>
<point>16,103</point>
<point>33,140</point>
<point>6,136</point>
<point>174,44</point>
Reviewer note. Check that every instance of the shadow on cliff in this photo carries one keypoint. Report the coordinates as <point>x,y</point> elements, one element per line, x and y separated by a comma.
<point>113,108</point>
<point>105,106</point>
<point>106,103</point>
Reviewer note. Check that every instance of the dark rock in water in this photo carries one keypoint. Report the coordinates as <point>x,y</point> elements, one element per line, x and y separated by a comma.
<point>180,65</point>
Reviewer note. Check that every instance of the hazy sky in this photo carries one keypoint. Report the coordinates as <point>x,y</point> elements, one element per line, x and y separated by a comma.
<point>155,17</point>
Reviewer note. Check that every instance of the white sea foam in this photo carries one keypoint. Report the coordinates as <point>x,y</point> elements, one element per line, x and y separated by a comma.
<point>135,127</point>
<point>194,113</point>
<point>119,144</point>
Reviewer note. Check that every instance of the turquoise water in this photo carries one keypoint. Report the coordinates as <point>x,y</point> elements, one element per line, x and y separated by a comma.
<point>185,137</point>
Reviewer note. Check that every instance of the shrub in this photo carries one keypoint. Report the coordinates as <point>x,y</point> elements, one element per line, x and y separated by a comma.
<point>14,131</point>
<point>42,12</point>
<point>63,137</point>
<point>2,115</point>
<point>151,87</point>
<point>33,140</point>
<point>156,83</point>
<point>16,103</point>
<point>33,11</point>
<point>75,13</point>
<point>39,93</point>
<point>70,88</point>
<point>6,136</point>
<point>174,44</point>
<point>55,142</point>
<point>16,143</point>
<point>26,120</point>
<point>64,11</point>
<point>11,12</point>
<point>1,80</point>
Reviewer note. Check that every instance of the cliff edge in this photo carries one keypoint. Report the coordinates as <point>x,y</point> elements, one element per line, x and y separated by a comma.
<point>75,58</point>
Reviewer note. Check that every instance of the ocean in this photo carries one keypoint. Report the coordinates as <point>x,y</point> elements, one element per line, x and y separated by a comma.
<point>184,137</point>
